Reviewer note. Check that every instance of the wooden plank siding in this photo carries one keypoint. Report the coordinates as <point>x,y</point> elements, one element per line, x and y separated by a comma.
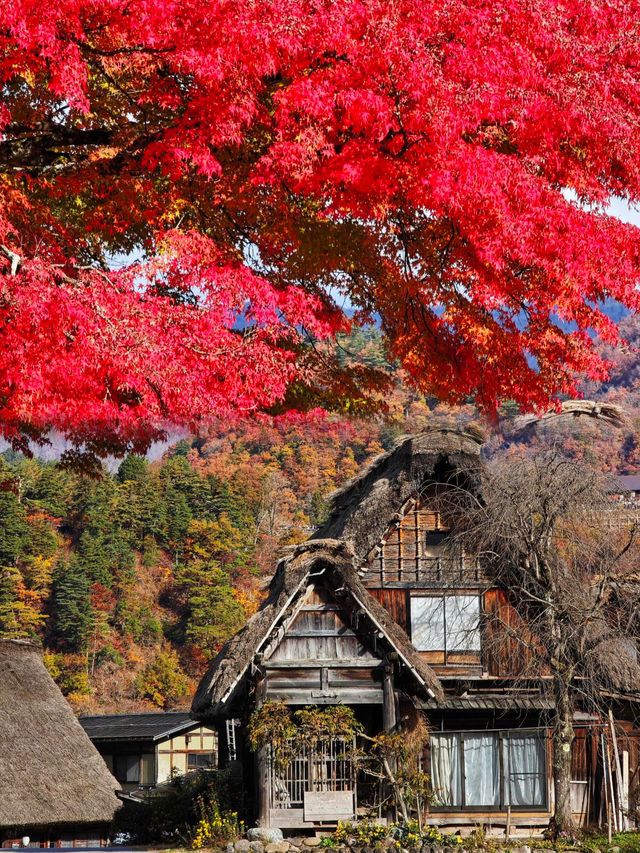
<point>411,553</point>
<point>320,631</point>
<point>395,601</point>
<point>320,660</point>
<point>509,649</point>
<point>410,559</point>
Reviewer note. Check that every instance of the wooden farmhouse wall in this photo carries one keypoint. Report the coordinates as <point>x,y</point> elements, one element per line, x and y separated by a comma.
<point>318,658</point>
<point>412,559</point>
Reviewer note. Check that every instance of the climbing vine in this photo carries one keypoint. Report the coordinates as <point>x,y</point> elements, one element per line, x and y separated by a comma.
<point>394,759</point>
<point>274,725</point>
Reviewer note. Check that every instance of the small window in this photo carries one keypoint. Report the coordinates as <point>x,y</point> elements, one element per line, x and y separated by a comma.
<point>449,623</point>
<point>200,759</point>
<point>127,768</point>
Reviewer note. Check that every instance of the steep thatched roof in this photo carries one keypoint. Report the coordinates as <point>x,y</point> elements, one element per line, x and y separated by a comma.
<point>50,772</point>
<point>339,564</point>
<point>363,509</point>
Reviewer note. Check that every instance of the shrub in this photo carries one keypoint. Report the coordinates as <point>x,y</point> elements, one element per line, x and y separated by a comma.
<point>214,827</point>
<point>174,811</point>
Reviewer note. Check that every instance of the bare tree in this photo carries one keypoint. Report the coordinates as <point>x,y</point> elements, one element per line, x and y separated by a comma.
<point>548,533</point>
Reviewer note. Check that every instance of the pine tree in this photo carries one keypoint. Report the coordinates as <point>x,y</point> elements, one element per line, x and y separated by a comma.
<point>14,530</point>
<point>134,468</point>
<point>72,611</point>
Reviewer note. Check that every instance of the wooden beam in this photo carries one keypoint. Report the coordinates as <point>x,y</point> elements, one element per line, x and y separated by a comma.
<point>333,696</point>
<point>262,769</point>
<point>388,700</point>
<point>329,663</point>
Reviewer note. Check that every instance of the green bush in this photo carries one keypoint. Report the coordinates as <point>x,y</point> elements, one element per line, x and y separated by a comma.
<point>173,812</point>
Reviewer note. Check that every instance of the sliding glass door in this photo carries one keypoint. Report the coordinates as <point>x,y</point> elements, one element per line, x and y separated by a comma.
<point>489,770</point>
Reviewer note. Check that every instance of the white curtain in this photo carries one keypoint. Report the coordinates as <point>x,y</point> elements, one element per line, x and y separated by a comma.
<point>524,770</point>
<point>481,770</point>
<point>445,769</point>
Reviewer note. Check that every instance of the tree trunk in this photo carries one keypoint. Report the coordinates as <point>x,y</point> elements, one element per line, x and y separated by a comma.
<point>562,820</point>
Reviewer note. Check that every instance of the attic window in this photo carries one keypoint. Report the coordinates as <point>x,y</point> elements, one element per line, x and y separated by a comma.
<point>445,623</point>
<point>435,537</point>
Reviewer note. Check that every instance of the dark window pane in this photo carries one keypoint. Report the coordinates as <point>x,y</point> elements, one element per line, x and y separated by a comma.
<point>200,759</point>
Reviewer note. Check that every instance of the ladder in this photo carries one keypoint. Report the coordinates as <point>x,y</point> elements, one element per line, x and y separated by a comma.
<point>231,739</point>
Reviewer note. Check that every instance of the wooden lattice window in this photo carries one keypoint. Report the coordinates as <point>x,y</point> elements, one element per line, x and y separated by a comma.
<point>324,767</point>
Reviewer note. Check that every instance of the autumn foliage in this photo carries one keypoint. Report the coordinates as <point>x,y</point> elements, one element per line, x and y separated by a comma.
<point>188,189</point>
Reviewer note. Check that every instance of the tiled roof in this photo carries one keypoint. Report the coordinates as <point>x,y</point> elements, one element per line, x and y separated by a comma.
<point>629,482</point>
<point>491,703</point>
<point>150,727</point>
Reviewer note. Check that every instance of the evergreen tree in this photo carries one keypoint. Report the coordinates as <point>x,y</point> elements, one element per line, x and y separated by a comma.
<point>14,530</point>
<point>135,468</point>
<point>45,486</point>
<point>72,611</point>
<point>213,612</point>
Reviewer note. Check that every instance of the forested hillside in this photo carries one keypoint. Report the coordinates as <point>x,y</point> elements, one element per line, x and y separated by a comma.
<point>133,580</point>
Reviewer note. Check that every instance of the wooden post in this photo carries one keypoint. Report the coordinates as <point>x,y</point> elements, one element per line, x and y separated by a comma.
<point>619,785</point>
<point>262,768</point>
<point>388,700</point>
<point>389,720</point>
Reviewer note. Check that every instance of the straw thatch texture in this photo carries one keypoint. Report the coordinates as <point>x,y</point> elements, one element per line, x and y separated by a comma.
<point>365,506</point>
<point>50,772</point>
<point>608,413</point>
<point>338,564</point>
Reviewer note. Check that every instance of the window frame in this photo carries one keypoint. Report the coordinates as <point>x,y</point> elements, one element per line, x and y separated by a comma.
<point>442,595</point>
<point>131,763</point>
<point>196,754</point>
<point>503,735</point>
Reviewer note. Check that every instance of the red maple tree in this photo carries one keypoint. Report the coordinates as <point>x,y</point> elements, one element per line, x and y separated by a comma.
<point>446,166</point>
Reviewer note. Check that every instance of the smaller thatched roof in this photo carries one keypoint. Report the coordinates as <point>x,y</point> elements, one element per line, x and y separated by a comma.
<point>50,772</point>
<point>364,507</point>
<point>610,662</point>
<point>608,413</point>
<point>339,564</point>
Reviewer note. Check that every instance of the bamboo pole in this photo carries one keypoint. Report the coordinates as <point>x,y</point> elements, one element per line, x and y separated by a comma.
<point>625,787</point>
<point>607,790</point>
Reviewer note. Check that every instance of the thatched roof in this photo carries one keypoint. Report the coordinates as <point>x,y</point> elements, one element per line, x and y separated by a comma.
<point>608,413</point>
<point>362,511</point>
<point>338,564</point>
<point>363,508</point>
<point>50,772</point>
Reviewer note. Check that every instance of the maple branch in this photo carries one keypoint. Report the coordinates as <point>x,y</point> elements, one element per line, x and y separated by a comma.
<point>33,149</point>
<point>124,51</point>
<point>16,260</point>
